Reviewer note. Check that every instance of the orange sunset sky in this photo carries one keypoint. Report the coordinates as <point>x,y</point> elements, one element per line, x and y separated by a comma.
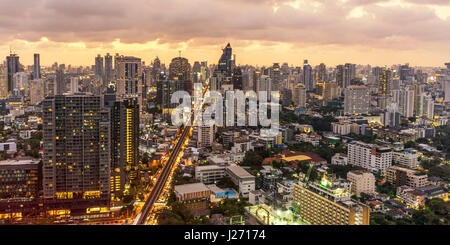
<point>377,32</point>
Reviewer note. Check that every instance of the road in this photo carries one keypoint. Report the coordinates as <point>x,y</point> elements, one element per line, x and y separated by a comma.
<point>141,218</point>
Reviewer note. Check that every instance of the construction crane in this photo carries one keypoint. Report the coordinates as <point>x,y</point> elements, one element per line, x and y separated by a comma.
<point>304,185</point>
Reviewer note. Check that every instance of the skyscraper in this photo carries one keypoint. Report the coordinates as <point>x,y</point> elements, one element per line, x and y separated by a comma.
<point>124,143</point>
<point>109,74</point>
<point>129,82</point>
<point>384,89</point>
<point>99,67</point>
<point>308,76</point>
<point>76,135</point>
<point>180,70</point>
<point>275,75</point>
<point>349,74</point>
<point>226,62</point>
<point>237,79</point>
<point>12,64</point>
<point>37,67</point>
<point>300,96</point>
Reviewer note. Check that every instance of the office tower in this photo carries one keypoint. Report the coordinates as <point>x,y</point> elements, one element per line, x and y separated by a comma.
<point>275,75</point>
<point>330,91</point>
<point>237,79</point>
<point>369,156</point>
<point>391,117</point>
<point>37,67</point>
<point>74,85</point>
<point>376,71</point>
<point>286,96</point>
<point>12,64</point>
<point>265,84</point>
<point>356,100</point>
<point>384,90</point>
<point>76,159</point>
<point>427,104</point>
<point>406,102</point>
<point>404,71</point>
<point>340,75</point>
<point>129,78</point>
<point>37,91</point>
<point>328,202</point>
<point>447,91</point>
<point>226,61</point>
<point>3,82</point>
<point>205,136</point>
<point>109,73</point>
<point>196,73</point>
<point>124,143</point>
<point>60,82</point>
<point>20,81</point>
<point>179,69</point>
<point>419,89</point>
<point>362,182</point>
<point>322,75</point>
<point>300,96</point>
<point>99,70</point>
<point>349,74</point>
<point>308,76</point>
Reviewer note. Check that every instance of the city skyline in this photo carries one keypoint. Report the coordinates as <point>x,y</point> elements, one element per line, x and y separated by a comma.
<point>362,32</point>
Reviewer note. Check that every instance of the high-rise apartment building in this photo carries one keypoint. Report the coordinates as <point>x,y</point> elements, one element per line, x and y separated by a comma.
<point>356,100</point>
<point>300,96</point>
<point>37,67</point>
<point>124,143</point>
<point>12,65</point>
<point>76,158</point>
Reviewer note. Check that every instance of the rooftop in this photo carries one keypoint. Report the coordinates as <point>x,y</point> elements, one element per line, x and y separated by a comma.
<point>190,188</point>
<point>239,171</point>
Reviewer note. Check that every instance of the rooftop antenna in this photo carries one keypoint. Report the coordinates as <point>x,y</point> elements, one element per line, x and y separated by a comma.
<point>179,53</point>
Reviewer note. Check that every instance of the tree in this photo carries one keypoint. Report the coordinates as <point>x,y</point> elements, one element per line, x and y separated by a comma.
<point>252,158</point>
<point>438,206</point>
<point>409,144</point>
<point>425,216</point>
<point>178,214</point>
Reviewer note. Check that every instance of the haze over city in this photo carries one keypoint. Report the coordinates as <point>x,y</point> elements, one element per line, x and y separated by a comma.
<point>375,32</point>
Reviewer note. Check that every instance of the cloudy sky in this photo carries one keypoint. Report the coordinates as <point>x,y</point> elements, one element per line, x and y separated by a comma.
<point>261,32</point>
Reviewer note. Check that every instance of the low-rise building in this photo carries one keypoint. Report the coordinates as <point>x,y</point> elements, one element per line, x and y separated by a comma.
<point>194,196</point>
<point>362,182</point>
<point>241,178</point>
<point>209,174</point>
<point>407,158</point>
<point>339,159</point>
<point>399,176</point>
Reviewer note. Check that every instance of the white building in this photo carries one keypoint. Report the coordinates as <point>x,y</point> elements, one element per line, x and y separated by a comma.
<point>241,178</point>
<point>341,128</point>
<point>210,173</point>
<point>369,156</point>
<point>205,136</point>
<point>362,182</point>
<point>339,159</point>
<point>407,158</point>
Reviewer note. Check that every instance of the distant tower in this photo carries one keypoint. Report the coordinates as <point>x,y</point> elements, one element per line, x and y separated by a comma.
<point>12,63</point>
<point>37,67</point>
